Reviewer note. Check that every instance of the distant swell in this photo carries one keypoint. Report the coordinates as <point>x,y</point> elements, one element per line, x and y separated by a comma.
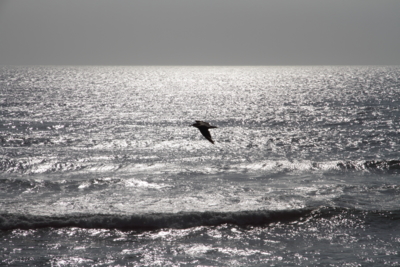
<point>151,221</point>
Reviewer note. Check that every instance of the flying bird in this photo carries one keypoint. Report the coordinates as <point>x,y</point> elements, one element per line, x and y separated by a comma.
<point>203,127</point>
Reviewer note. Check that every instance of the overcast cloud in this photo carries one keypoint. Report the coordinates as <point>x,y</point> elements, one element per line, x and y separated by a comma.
<point>203,32</point>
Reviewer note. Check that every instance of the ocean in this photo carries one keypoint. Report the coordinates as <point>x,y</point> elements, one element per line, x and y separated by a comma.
<point>99,166</point>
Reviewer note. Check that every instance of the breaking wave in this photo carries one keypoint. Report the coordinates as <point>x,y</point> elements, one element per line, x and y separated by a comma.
<point>9,165</point>
<point>389,166</point>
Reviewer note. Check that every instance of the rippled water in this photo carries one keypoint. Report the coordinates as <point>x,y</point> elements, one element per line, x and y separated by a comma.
<point>100,167</point>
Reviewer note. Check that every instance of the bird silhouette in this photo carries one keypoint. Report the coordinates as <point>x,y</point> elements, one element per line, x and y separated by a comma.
<point>203,127</point>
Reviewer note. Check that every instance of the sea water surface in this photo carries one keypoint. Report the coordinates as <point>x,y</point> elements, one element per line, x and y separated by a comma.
<point>99,166</point>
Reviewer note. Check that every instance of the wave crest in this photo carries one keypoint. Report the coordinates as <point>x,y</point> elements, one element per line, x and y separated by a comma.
<point>151,221</point>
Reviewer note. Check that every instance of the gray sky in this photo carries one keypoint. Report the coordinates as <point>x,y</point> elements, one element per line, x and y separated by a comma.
<point>201,32</point>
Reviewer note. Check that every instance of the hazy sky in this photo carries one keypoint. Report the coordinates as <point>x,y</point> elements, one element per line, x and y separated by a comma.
<point>200,32</point>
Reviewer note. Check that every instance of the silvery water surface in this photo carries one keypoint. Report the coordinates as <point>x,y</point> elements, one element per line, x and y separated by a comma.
<point>99,166</point>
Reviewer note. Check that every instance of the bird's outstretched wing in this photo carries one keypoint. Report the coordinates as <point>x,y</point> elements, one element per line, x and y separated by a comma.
<point>203,123</point>
<point>204,131</point>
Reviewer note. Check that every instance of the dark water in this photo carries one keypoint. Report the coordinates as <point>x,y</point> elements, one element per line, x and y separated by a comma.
<point>99,166</point>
